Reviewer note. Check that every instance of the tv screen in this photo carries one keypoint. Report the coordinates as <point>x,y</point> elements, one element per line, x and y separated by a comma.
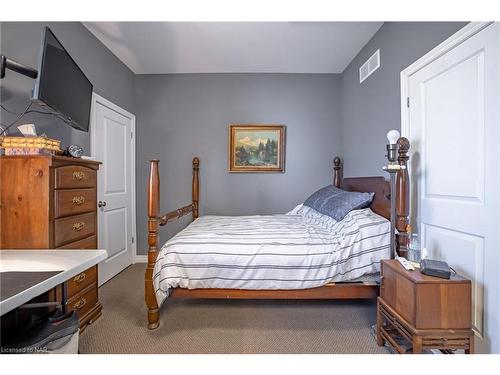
<point>61,84</point>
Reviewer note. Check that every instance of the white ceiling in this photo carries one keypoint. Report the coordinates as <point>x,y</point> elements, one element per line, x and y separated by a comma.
<point>234,47</point>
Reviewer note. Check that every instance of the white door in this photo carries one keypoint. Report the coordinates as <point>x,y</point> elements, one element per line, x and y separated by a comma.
<point>113,145</point>
<point>453,125</point>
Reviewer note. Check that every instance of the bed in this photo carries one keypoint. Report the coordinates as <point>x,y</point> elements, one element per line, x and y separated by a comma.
<point>298,255</point>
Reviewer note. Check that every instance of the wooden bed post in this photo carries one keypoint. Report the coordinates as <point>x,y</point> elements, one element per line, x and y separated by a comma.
<point>196,187</point>
<point>153,209</point>
<point>337,171</point>
<point>403,198</point>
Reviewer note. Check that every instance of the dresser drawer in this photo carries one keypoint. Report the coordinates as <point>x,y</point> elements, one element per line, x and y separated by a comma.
<point>74,201</point>
<point>75,176</point>
<point>73,228</point>
<point>83,301</point>
<point>86,243</point>
<point>81,281</point>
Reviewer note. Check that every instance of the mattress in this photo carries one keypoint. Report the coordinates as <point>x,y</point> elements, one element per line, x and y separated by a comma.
<point>299,250</point>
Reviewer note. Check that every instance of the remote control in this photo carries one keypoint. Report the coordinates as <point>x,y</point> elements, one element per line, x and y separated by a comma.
<point>406,265</point>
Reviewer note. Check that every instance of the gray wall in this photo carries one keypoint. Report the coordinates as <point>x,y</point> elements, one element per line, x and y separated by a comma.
<point>21,41</point>
<point>186,115</point>
<point>372,108</point>
<point>180,116</point>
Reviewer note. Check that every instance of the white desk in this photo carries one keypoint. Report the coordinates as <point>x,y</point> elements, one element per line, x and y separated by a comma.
<point>69,262</point>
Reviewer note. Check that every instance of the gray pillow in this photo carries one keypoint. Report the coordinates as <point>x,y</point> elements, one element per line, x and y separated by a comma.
<point>337,203</point>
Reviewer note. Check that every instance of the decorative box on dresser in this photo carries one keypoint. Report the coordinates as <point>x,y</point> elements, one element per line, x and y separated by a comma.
<point>50,202</point>
<point>423,312</point>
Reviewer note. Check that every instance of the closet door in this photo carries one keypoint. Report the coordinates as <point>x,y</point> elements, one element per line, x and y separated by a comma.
<point>113,145</point>
<point>454,129</point>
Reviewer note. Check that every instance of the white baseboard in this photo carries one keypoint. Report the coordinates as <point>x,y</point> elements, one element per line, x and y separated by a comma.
<point>140,259</point>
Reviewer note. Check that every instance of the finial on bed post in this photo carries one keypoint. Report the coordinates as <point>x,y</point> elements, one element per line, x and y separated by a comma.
<point>153,209</point>
<point>403,197</point>
<point>337,171</point>
<point>196,187</point>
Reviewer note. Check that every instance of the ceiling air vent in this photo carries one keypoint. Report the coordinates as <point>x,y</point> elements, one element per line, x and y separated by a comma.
<point>372,64</point>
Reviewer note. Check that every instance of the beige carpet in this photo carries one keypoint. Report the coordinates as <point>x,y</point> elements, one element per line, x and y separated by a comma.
<point>215,326</point>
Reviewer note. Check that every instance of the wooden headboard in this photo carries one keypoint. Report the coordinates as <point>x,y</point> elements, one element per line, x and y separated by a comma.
<point>381,203</point>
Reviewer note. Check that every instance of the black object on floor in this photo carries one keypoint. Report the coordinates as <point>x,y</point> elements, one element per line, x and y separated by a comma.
<point>39,333</point>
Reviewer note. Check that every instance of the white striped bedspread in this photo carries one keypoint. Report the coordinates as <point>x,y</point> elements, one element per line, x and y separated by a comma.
<point>298,250</point>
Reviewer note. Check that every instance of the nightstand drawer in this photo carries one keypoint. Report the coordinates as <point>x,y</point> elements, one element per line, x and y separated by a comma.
<point>74,201</point>
<point>74,177</point>
<point>81,281</point>
<point>399,293</point>
<point>73,228</point>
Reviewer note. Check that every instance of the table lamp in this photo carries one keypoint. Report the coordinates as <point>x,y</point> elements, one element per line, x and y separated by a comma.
<point>393,167</point>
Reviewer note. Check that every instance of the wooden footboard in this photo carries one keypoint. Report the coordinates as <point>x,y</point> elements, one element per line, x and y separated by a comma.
<point>155,220</point>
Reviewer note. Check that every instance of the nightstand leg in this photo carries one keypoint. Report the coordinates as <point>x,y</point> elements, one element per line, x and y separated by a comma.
<point>380,340</point>
<point>417,344</point>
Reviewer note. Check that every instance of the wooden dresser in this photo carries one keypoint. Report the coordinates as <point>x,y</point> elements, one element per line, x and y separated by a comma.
<point>418,312</point>
<point>51,202</point>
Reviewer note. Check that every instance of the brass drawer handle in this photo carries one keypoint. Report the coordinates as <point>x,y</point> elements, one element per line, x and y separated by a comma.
<point>381,282</point>
<point>78,175</point>
<point>79,304</point>
<point>78,200</point>
<point>79,278</point>
<point>78,226</point>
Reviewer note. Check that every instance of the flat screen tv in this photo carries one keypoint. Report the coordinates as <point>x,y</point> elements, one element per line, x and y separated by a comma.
<point>61,84</point>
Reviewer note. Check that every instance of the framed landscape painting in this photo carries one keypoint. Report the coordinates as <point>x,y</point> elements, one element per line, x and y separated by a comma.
<point>256,148</point>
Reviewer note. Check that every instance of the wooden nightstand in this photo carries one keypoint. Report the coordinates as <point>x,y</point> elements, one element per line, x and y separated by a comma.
<point>416,311</point>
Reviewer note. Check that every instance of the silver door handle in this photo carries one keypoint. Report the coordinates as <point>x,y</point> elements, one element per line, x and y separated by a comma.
<point>101,204</point>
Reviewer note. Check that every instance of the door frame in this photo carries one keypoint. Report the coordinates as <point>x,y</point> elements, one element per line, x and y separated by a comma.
<point>96,98</point>
<point>459,37</point>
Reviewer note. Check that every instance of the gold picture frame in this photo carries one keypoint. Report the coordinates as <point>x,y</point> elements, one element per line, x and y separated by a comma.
<point>256,148</point>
